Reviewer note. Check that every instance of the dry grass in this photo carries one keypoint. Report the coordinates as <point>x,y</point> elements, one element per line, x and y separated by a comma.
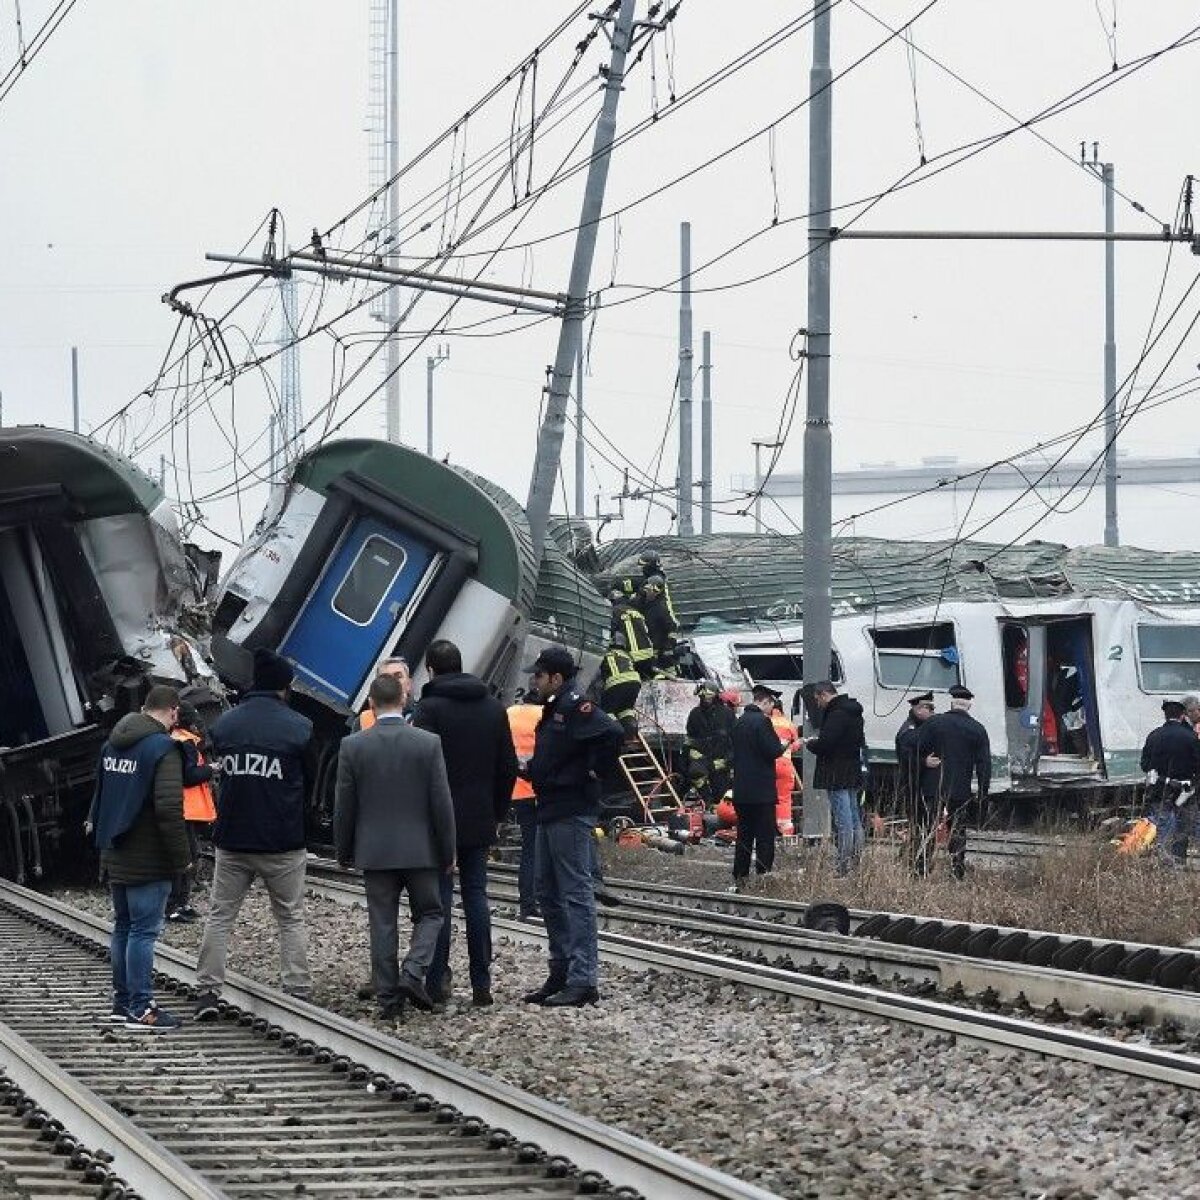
<point>1084,888</point>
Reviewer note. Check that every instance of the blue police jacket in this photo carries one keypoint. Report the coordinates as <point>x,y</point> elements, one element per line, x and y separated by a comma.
<point>124,783</point>
<point>260,747</point>
<point>573,746</point>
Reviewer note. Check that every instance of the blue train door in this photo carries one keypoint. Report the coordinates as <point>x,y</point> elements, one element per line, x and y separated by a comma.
<point>344,624</point>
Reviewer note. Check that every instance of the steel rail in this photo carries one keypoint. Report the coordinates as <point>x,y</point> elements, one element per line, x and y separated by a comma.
<point>138,1160</point>
<point>639,954</point>
<point>593,1147</point>
<point>1173,967</point>
<point>1042,987</point>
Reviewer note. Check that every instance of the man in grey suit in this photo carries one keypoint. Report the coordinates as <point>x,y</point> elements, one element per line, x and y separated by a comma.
<point>394,820</point>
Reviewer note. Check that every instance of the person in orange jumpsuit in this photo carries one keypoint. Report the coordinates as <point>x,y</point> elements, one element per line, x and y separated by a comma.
<point>785,773</point>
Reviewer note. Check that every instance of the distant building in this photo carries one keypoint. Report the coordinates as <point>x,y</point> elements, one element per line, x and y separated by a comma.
<point>1066,505</point>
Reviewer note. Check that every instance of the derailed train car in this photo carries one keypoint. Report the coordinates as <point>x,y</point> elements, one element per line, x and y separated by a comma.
<point>1070,652</point>
<point>98,601</point>
<point>372,550</point>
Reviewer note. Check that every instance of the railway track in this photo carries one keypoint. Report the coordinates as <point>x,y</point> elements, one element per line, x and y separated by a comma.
<point>838,990</point>
<point>280,1098</point>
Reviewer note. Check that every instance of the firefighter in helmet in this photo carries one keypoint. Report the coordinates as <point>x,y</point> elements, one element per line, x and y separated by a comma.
<point>628,621</point>
<point>620,684</point>
<point>661,622</point>
<point>709,745</point>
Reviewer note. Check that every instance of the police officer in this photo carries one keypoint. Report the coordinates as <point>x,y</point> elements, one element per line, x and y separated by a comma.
<point>620,684</point>
<point>137,819</point>
<point>709,743</point>
<point>573,745</point>
<point>1171,759</point>
<point>627,620</point>
<point>916,785</point>
<point>956,747</point>
<point>259,830</point>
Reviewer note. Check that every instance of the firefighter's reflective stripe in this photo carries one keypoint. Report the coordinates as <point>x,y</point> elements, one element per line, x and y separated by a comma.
<point>617,668</point>
<point>633,625</point>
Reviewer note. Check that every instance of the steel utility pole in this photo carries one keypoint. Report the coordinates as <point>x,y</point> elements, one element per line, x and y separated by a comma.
<point>392,306</point>
<point>1107,176</point>
<point>706,478</point>
<point>431,364</point>
<point>580,501</point>
<point>550,436</point>
<point>685,379</point>
<point>75,388</point>
<point>818,457</point>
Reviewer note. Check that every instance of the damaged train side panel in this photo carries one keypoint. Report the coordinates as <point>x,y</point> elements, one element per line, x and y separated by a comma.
<point>98,601</point>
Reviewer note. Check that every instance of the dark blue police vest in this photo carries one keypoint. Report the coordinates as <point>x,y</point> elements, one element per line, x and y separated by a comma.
<point>124,784</point>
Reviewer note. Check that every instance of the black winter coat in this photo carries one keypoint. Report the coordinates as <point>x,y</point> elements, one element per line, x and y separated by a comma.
<point>838,745</point>
<point>962,744</point>
<point>262,746</point>
<point>574,746</point>
<point>710,730</point>
<point>1173,750</point>
<point>477,745</point>
<point>913,778</point>
<point>756,746</point>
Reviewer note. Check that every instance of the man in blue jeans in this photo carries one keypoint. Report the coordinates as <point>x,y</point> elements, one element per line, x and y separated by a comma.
<point>137,819</point>
<point>481,764</point>
<point>838,747</point>
<point>573,746</point>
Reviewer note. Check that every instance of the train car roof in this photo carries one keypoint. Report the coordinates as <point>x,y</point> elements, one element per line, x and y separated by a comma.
<point>738,578</point>
<point>98,481</point>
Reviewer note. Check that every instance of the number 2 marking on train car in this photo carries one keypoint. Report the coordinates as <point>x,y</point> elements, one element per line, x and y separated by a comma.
<point>1115,653</point>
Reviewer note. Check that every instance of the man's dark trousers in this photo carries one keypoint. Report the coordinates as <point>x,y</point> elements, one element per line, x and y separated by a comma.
<point>566,894</point>
<point>383,890</point>
<point>755,839</point>
<point>472,883</point>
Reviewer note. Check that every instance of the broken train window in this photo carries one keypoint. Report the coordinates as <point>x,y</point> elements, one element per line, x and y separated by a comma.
<point>1169,657</point>
<point>917,656</point>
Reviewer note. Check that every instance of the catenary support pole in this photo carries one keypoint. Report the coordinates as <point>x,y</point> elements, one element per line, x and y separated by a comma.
<point>75,388</point>
<point>391,308</point>
<point>580,501</point>
<point>818,468</point>
<point>706,469</point>
<point>431,364</point>
<point>1111,535</point>
<point>685,379</point>
<point>550,436</point>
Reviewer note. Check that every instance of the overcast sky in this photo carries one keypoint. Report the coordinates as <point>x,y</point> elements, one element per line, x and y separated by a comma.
<point>147,134</point>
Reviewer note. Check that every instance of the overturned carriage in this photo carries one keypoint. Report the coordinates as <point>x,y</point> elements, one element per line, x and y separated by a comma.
<point>371,550</point>
<point>98,602</point>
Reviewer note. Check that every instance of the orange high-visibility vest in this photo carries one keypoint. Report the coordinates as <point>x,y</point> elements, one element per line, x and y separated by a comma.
<point>523,720</point>
<point>366,718</point>
<point>198,802</point>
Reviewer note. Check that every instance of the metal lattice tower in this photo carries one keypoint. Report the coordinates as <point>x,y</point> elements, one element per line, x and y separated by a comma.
<point>287,443</point>
<point>383,162</point>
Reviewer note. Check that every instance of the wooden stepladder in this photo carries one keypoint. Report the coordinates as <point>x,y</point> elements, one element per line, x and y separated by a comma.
<point>649,781</point>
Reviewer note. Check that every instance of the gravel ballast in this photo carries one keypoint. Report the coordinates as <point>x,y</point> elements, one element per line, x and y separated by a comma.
<point>805,1103</point>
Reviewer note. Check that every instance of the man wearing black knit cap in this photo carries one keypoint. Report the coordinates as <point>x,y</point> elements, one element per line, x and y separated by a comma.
<point>259,830</point>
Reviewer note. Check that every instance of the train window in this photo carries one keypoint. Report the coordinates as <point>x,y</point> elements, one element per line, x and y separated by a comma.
<point>779,662</point>
<point>1170,657</point>
<point>368,580</point>
<point>917,656</point>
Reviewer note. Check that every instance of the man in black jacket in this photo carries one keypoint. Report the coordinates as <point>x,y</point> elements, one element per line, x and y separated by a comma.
<point>838,747</point>
<point>1171,758</point>
<point>916,785</point>
<point>573,747</point>
<point>137,818</point>
<point>259,830</point>
<point>956,747</point>
<point>756,746</point>
<point>481,764</point>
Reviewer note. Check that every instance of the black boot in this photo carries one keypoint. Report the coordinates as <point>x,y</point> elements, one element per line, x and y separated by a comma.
<point>573,997</point>
<point>551,987</point>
